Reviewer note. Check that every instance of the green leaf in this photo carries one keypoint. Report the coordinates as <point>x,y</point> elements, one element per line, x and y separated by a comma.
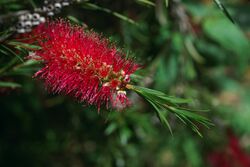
<point>8,65</point>
<point>146,2</point>
<point>9,84</point>
<point>111,128</point>
<point>116,14</point>
<point>161,95</point>
<point>228,36</point>
<point>33,4</point>
<point>74,20</point>
<point>125,134</point>
<point>224,10</point>
<point>192,50</point>
<point>211,52</point>
<point>167,3</point>
<point>11,52</point>
<point>24,45</point>
<point>168,104</point>
<point>5,35</point>
<point>162,118</point>
<point>190,148</point>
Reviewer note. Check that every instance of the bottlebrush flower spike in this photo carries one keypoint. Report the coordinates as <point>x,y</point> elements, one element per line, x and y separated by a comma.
<point>89,68</point>
<point>82,64</point>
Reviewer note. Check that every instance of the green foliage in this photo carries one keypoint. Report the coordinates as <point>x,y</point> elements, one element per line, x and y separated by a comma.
<point>233,39</point>
<point>10,84</point>
<point>224,10</point>
<point>164,104</point>
<point>118,15</point>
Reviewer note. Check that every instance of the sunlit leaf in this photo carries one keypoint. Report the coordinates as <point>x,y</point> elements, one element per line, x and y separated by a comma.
<point>9,84</point>
<point>116,14</point>
<point>24,45</point>
<point>224,10</point>
<point>146,2</point>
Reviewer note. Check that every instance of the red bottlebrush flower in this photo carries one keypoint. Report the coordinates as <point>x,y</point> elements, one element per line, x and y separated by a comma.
<point>232,156</point>
<point>82,64</point>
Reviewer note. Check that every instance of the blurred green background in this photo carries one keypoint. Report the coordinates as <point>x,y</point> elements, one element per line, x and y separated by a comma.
<point>188,48</point>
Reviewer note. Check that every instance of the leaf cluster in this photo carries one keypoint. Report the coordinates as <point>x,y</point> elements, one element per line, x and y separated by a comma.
<point>164,104</point>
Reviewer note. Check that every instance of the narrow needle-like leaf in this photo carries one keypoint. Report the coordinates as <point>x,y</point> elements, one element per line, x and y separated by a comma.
<point>224,10</point>
<point>163,104</point>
